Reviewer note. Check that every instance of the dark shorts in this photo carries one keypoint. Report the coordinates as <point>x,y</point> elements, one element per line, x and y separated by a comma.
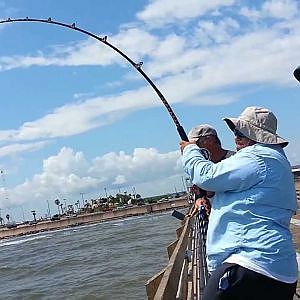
<point>233,282</point>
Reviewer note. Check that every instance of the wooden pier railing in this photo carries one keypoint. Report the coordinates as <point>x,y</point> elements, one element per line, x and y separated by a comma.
<point>181,278</point>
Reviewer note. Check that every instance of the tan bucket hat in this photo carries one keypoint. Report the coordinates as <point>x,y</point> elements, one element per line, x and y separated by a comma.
<point>258,124</point>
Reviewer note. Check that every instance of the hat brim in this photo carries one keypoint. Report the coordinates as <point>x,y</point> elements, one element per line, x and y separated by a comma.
<point>255,133</point>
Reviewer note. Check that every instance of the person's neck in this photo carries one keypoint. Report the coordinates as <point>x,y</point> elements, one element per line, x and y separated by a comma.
<point>218,155</point>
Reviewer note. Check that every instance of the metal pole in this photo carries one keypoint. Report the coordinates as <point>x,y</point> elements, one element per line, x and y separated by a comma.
<point>48,211</point>
<point>22,210</point>
<point>175,189</point>
<point>134,192</point>
<point>82,199</point>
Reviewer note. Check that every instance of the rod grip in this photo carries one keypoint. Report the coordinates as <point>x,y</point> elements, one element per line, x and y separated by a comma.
<point>182,133</point>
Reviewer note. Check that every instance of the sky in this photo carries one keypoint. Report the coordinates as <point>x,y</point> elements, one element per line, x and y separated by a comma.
<point>77,120</point>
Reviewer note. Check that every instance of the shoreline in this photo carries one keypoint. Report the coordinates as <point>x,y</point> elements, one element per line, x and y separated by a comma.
<point>90,218</point>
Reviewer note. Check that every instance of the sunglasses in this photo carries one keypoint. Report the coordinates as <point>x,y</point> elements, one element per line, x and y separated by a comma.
<point>238,134</point>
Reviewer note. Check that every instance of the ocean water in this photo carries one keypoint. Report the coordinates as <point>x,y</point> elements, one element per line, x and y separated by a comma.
<point>110,260</point>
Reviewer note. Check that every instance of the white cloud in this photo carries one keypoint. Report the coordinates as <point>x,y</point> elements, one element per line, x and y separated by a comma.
<point>88,52</point>
<point>120,179</point>
<point>284,9</point>
<point>252,14</point>
<point>69,173</point>
<point>65,162</point>
<point>14,149</point>
<point>246,58</point>
<point>171,46</point>
<point>280,9</point>
<point>142,165</point>
<point>136,42</point>
<point>258,56</point>
<point>161,12</point>
<point>217,32</point>
<point>80,96</point>
<point>80,117</point>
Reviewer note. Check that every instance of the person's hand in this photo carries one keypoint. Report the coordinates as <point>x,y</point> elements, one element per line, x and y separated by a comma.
<point>206,203</point>
<point>183,144</point>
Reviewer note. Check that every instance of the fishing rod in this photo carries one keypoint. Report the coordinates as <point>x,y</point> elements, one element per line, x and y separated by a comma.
<point>137,66</point>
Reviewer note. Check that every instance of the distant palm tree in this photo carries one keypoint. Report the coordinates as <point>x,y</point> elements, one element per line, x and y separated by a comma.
<point>34,215</point>
<point>57,202</point>
<point>77,203</point>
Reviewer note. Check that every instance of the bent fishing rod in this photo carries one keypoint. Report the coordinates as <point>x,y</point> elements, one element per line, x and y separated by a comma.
<point>137,66</point>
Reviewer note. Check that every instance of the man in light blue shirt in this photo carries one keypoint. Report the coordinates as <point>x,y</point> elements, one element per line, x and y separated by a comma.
<point>250,253</point>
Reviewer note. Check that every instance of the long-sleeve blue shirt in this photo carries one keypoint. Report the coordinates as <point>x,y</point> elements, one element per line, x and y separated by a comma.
<point>254,201</point>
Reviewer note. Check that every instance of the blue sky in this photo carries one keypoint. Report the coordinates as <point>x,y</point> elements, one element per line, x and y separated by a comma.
<point>76,118</point>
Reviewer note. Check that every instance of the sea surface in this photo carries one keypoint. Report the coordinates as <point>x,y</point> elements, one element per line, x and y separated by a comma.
<point>110,260</point>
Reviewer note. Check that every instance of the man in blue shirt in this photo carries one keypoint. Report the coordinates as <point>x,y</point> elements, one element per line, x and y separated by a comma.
<point>205,136</point>
<point>250,253</point>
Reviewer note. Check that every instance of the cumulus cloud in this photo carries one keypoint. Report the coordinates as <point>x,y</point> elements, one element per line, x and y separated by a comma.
<point>69,173</point>
<point>65,162</point>
<point>140,166</point>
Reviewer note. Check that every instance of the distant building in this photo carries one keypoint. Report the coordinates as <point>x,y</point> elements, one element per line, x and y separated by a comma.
<point>296,173</point>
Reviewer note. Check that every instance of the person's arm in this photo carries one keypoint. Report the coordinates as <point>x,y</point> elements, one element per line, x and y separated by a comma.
<point>194,211</point>
<point>236,173</point>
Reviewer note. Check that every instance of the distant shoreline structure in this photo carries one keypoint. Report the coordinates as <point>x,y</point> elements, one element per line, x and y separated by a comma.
<point>90,218</point>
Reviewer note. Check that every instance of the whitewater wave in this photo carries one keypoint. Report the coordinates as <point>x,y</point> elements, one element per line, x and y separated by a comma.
<point>22,240</point>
